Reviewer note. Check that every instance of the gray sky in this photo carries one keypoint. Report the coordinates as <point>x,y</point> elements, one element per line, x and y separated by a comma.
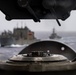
<point>44,25</point>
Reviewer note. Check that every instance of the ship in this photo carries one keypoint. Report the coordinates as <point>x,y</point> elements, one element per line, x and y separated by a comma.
<point>6,38</point>
<point>6,41</point>
<point>54,35</point>
<point>21,36</point>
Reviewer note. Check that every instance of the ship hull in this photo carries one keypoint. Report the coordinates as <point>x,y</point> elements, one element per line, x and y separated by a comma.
<point>37,64</point>
<point>52,68</point>
<point>6,41</point>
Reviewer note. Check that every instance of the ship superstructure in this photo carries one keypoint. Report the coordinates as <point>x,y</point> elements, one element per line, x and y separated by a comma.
<point>54,35</point>
<point>21,36</point>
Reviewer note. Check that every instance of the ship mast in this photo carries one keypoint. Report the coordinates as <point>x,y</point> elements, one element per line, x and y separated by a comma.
<point>53,30</point>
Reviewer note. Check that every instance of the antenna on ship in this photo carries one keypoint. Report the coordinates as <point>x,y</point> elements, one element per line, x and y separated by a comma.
<point>53,30</point>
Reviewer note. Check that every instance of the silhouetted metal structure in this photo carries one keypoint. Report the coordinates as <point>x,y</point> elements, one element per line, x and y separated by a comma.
<point>42,58</point>
<point>37,9</point>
